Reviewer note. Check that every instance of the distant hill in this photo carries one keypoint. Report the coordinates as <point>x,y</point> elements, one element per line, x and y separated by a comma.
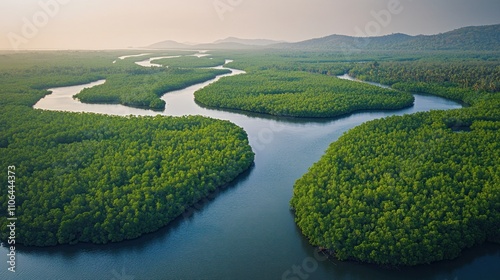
<point>249,42</point>
<point>478,38</point>
<point>169,44</point>
<point>339,42</point>
<point>226,46</point>
<point>228,43</point>
<point>474,38</point>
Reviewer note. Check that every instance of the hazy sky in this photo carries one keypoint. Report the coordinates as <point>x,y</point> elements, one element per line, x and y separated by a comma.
<point>104,24</point>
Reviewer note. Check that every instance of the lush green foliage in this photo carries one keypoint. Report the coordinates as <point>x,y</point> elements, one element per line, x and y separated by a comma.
<point>298,94</point>
<point>323,63</point>
<point>477,75</point>
<point>29,74</point>
<point>406,190</point>
<point>470,78</point>
<point>25,76</point>
<point>93,178</point>
<point>191,62</point>
<point>412,189</point>
<point>143,87</point>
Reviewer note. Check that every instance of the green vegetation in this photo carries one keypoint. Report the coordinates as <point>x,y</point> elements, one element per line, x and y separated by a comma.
<point>298,94</point>
<point>143,87</point>
<point>455,79</point>
<point>191,62</point>
<point>413,189</point>
<point>25,76</point>
<point>328,63</point>
<point>94,178</point>
<point>136,86</point>
<point>29,74</point>
<point>405,190</point>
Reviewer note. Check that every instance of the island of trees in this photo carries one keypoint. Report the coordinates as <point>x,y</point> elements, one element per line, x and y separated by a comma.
<point>406,190</point>
<point>413,189</point>
<point>94,178</point>
<point>132,85</point>
<point>298,94</point>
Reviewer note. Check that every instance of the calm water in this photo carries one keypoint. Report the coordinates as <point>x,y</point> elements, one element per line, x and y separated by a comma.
<point>247,231</point>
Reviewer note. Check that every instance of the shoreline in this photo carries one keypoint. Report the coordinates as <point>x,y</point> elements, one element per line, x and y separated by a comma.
<point>180,217</point>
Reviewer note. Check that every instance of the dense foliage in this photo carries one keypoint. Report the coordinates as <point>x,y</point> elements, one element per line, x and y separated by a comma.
<point>298,94</point>
<point>406,190</point>
<point>143,87</point>
<point>93,178</point>
<point>412,189</point>
<point>26,76</point>
<point>476,75</point>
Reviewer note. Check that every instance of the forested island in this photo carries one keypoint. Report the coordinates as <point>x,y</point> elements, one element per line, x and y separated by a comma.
<point>414,189</point>
<point>298,94</point>
<point>132,85</point>
<point>143,88</point>
<point>94,178</point>
<point>406,190</point>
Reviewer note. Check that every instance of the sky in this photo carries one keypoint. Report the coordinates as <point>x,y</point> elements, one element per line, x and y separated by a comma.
<point>116,24</point>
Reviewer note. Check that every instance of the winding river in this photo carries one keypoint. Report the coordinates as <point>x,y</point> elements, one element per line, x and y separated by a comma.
<point>247,231</point>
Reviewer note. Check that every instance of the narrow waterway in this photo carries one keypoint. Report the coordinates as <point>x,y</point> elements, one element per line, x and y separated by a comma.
<point>247,231</point>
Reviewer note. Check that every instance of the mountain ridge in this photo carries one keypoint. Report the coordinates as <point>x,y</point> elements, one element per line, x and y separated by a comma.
<point>470,38</point>
<point>252,42</point>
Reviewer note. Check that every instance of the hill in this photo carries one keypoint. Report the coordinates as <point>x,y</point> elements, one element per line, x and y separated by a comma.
<point>228,43</point>
<point>249,42</point>
<point>169,44</point>
<point>473,38</point>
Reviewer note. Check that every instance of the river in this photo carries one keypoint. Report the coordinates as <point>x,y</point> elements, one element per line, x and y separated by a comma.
<point>247,231</point>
